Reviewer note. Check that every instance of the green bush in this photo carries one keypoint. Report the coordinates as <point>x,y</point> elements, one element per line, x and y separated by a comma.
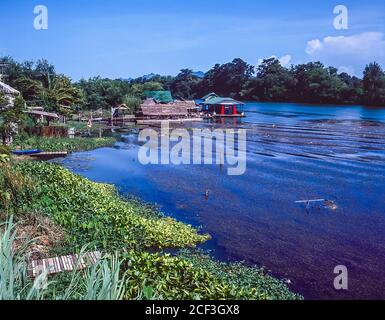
<point>192,276</point>
<point>92,212</point>
<point>5,150</point>
<point>4,158</point>
<point>15,189</point>
<point>63,144</point>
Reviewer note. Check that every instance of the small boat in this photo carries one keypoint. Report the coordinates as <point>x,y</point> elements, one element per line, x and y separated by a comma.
<point>25,152</point>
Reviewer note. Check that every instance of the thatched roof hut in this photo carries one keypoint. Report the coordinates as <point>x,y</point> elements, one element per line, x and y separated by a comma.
<point>150,109</point>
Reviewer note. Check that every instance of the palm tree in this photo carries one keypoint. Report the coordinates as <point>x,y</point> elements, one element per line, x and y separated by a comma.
<point>60,96</point>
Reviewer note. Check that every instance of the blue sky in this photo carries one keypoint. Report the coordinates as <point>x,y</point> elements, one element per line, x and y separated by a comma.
<point>129,38</point>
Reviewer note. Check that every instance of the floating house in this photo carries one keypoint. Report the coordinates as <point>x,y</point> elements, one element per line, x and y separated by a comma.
<point>151,109</point>
<point>215,106</point>
<point>160,105</point>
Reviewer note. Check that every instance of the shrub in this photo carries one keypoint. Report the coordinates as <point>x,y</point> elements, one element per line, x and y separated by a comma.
<point>15,189</point>
<point>5,150</point>
<point>63,144</point>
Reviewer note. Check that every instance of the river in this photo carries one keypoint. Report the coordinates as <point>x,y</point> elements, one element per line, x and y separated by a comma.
<point>294,152</point>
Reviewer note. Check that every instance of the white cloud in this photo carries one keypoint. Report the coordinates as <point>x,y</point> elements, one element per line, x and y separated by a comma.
<point>285,60</point>
<point>349,53</point>
<point>313,46</point>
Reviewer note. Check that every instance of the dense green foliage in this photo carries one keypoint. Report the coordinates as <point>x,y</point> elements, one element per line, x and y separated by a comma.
<point>306,83</point>
<point>374,84</point>
<point>196,276</point>
<point>4,154</point>
<point>238,275</point>
<point>95,214</point>
<point>61,144</point>
<point>270,81</point>
<point>41,86</point>
<point>103,93</point>
<point>10,118</point>
<point>92,212</point>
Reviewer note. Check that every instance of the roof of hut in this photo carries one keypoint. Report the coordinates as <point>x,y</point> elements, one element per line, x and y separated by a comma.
<point>222,101</point>
<point>43,113</point>
<point>210,96</point>
<point>8,89</point>
<point>122,107</point>
<point>159,96</point>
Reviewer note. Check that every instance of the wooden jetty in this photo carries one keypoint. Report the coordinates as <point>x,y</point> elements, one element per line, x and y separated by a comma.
<point>64,263</point>
<point>216,116</point>
<point>49,154</point>
<point>159,121</point>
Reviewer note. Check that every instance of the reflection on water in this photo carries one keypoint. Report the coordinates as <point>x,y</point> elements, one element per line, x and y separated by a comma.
<point>294,152</point>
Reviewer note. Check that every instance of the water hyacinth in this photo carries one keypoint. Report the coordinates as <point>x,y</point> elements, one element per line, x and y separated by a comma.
<point>92,212</point>
<point>93,216</point>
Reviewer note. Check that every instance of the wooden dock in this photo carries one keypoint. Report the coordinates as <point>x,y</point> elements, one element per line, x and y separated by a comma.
<point>49,154</point>
<point>64,263</point>
<point>218,116</point>
<point>159,121</point>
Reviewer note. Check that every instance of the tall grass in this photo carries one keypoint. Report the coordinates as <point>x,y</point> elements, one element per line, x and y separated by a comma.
<point>102,281</point>
<point>14,284</point>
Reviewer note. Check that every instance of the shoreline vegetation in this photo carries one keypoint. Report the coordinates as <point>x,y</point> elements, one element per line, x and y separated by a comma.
<point>94,215</point>
<point>52,144</point>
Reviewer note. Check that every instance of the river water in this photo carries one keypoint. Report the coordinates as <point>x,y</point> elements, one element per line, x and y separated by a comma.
<point>294,152</point>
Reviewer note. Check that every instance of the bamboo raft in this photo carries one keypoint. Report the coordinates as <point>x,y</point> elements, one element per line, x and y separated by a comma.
<point>64,263</point>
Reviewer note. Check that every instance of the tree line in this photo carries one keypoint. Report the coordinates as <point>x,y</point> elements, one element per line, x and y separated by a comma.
<point>271,82</point>
<point>41,85</point>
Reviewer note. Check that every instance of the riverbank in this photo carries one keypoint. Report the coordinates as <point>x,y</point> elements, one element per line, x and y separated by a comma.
<point>48,144</point>
<point>96,215</point>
